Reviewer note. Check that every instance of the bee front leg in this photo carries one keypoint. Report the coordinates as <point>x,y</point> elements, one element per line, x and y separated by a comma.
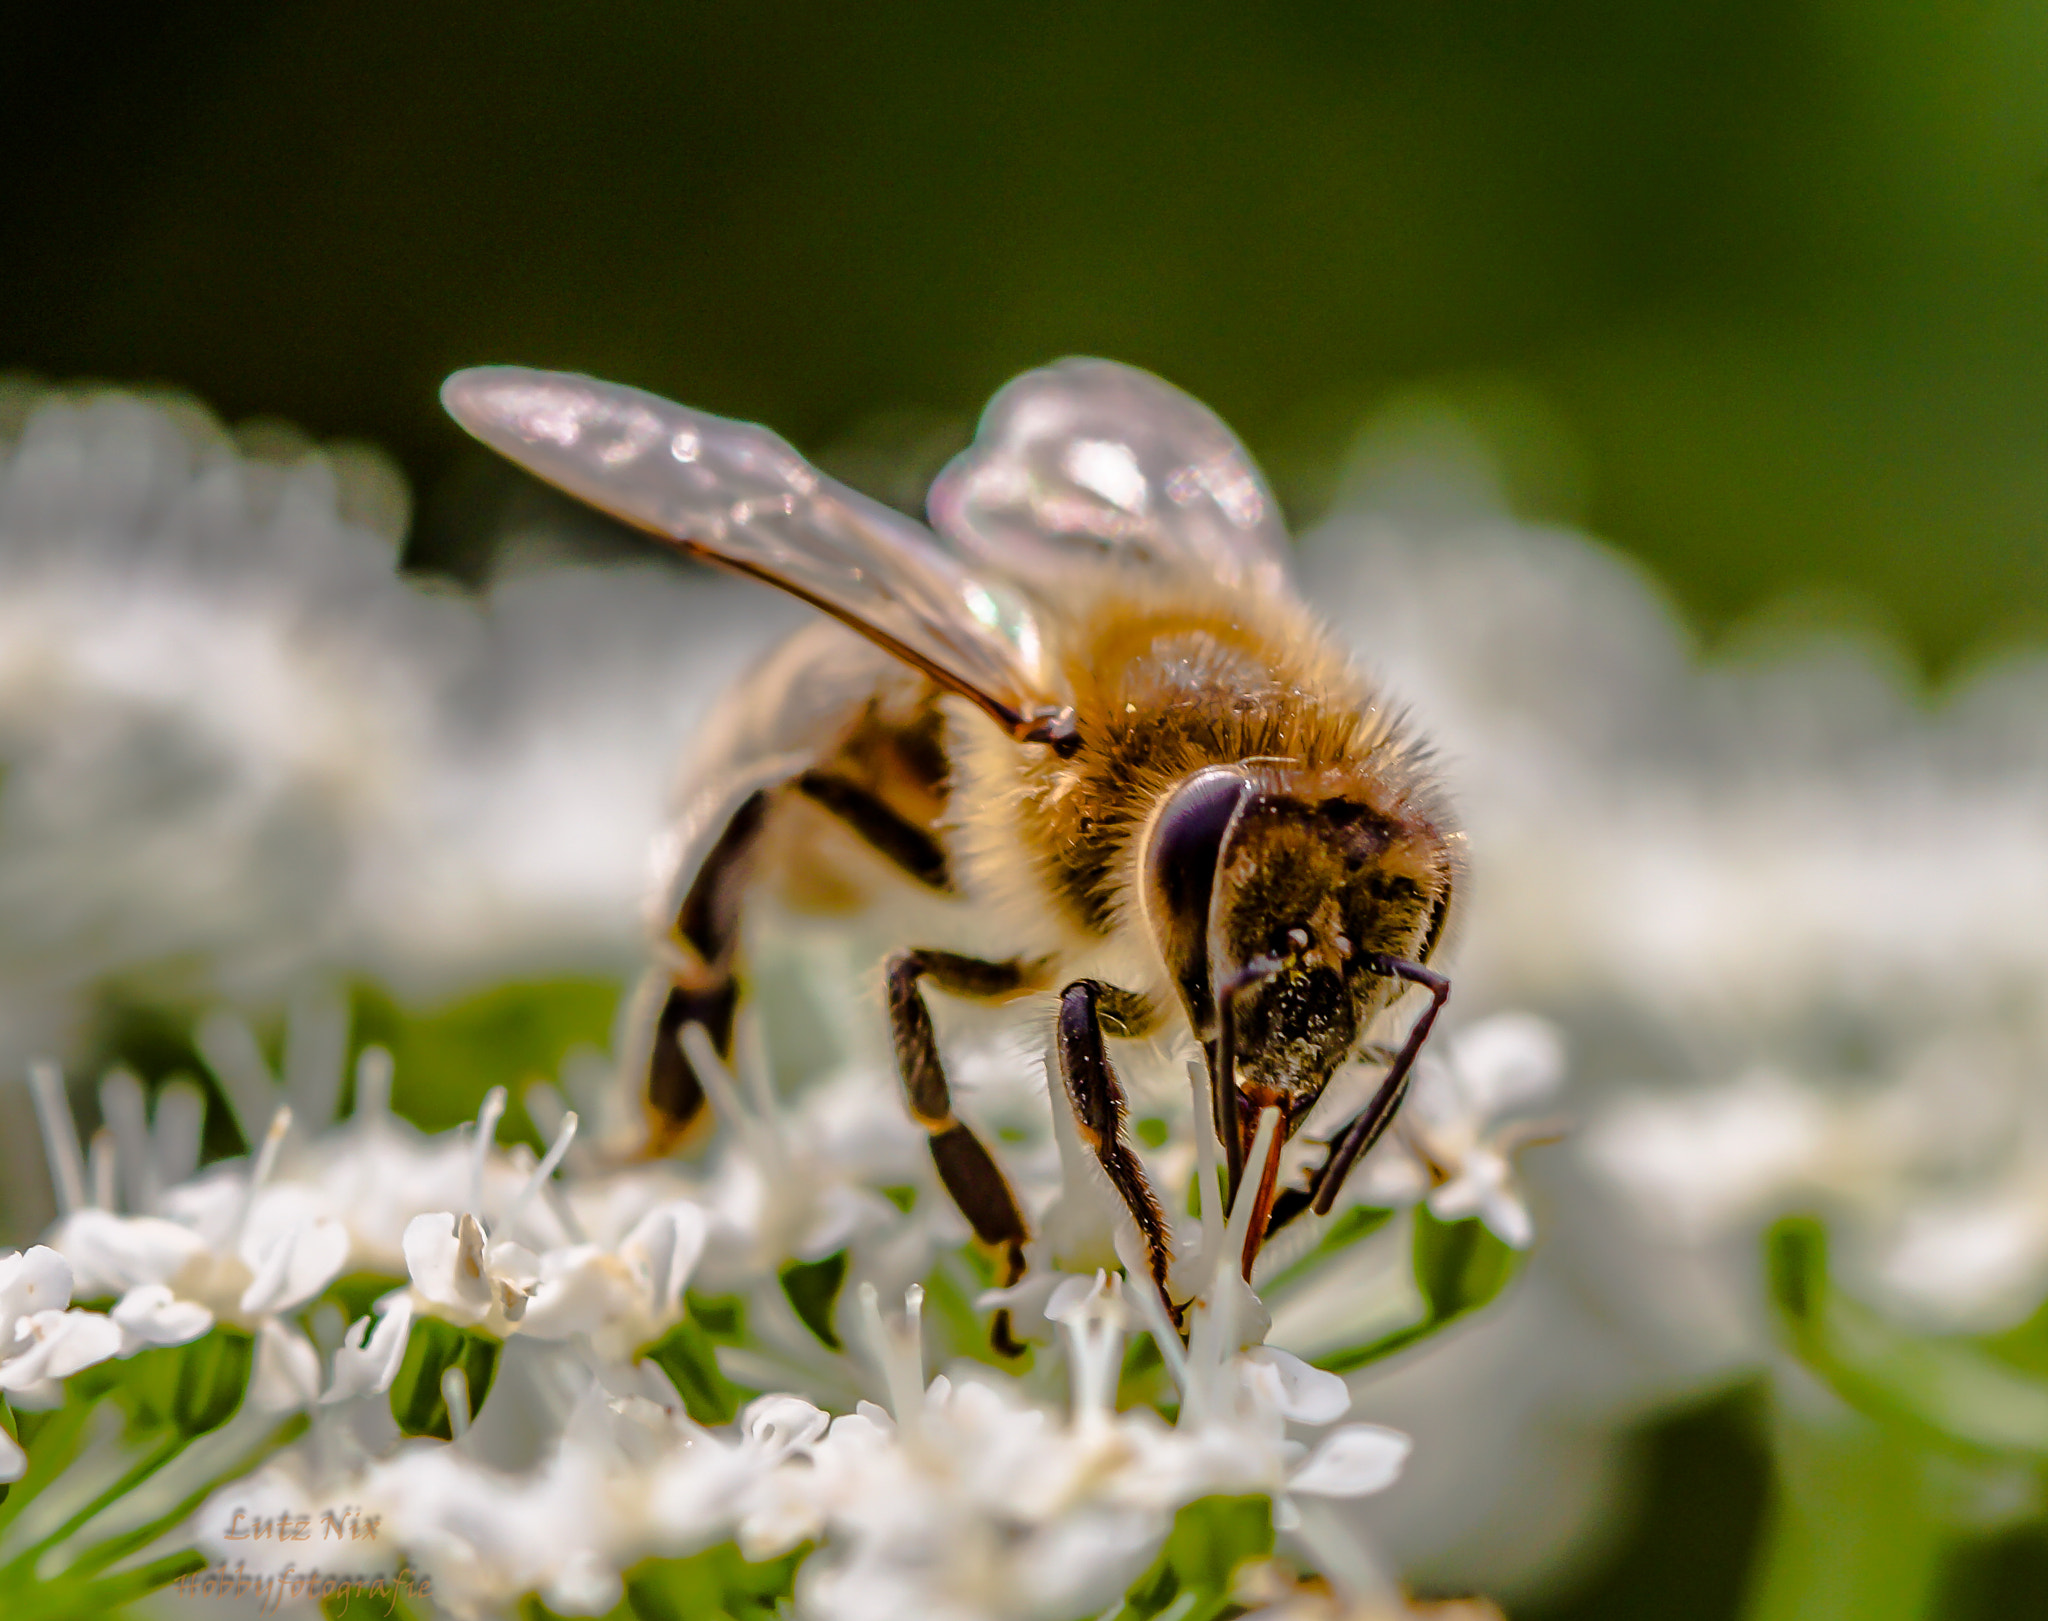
<point>1096,1097</point>
<point>969,1172</point>
<point>1364,1129</point>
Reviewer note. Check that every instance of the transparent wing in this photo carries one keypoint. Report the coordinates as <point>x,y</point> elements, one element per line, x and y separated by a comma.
<point>736,494</point>
<point>1090,459</point>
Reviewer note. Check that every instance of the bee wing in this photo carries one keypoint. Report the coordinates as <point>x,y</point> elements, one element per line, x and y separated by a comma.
<point>1090,459</point>
<point>735,494</point>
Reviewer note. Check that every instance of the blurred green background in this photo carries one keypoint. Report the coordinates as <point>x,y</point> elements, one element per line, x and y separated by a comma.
<point>1755,290</point>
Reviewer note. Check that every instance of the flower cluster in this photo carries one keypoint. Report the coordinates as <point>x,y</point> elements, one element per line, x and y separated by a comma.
<point>239,746</point>
<point>1781,913</point>
<point>535,1374</point>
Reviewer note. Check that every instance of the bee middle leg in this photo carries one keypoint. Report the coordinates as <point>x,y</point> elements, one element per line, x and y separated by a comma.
<point>1096,1097</point>
<point>967,1169</point>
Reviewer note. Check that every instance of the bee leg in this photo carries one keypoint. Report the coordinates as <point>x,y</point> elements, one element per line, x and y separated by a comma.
<point>1097,1099</point>
<point>969,1172</point>
<point>704,987</point>
<point>1363,1129</point>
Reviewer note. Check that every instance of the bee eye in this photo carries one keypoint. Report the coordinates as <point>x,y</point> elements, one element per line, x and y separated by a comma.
<point>1180,870</point>
<point>1187,838</point>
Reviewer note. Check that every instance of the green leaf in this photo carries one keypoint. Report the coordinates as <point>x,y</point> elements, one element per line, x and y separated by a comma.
<point>1949,1390</point>
<point>1460,1266</point>
<point>715,1585</point>
<point>431,1349</point>
<point>446,1058</point>
<point>1193,1574</point>
<point>685,1353</point>
<point>62,1600</point>
<point>2024,1346</point>
<point>813,1289</point>
<point>723,1317</point>
<point>193,1388</point>
<point>357,1293</point>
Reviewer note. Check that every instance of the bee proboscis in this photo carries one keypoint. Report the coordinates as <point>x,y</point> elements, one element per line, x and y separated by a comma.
<point>1088,699</point>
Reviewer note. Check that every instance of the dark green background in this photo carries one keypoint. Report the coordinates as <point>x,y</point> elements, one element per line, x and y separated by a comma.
<point>1777,268</point>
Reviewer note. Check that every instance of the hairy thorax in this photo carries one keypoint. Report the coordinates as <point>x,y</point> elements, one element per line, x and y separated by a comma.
<point>1162,685</point>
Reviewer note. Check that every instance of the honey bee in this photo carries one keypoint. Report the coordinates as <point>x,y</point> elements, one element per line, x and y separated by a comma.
<point>1087,702</point>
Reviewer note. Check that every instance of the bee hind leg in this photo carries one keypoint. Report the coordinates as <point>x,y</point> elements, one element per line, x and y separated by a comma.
<point>1096,1097</point>
<point>703,979</point>
<point>967,1169</point>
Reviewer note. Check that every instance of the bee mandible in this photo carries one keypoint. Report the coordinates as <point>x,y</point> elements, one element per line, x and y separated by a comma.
<point>1086,700</point>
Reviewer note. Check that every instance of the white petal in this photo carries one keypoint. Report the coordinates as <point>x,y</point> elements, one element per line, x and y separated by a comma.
<point>585,1288</point>
<point>584,1584</point>
<point>665,1247</point>
<point>110,1254</point>
<point>13,1461</point>
<point>1294,1389</point>
<point>367,1361</point>
<point>1485,1187</point>
<point>317,1260</point>
<point>434,1261</point>
<point>1352,1462</point>
<point>150,1314</point>
<point>298,1266</point>
<point>1028,1300</point>
<point>780,1425</point>
<point>37,1281</point>
<point>1097,1297</point>
<point>268,1285</point>
<point>1067,1297</point>
<point>1508,1218</point>
<point>1506,1060</point>
<point>56,1345</point>
<point>287,1372</point>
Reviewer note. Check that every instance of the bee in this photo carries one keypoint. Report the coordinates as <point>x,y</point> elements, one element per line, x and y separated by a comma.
<point>1087,702</point>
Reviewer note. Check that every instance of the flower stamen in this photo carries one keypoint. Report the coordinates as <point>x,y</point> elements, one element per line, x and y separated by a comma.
<point>60,1135</point>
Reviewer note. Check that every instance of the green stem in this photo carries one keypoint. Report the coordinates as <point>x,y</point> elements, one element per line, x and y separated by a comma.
<point>103,1554</point>
<point>62,1601</point>
<point>56,1443</point>
<point>145,1466</point>
<point>1853,1535</point>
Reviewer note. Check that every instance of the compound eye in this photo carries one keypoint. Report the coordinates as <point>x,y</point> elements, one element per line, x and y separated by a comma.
<point>1180,875</point>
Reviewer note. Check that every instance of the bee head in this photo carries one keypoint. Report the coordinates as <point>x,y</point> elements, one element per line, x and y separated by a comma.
<point>1285,897</point>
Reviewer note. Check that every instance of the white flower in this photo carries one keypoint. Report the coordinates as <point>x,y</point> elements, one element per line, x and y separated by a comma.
<point>459,1275</point>
<point>39,1339</point>
<point>202,719</point>
<point>242,1260</point>
<point>1448,1146</point>
<point>241,746</point>
<point>368,1358</point>
<point>621,1298</point>
<point>1699,872</point>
